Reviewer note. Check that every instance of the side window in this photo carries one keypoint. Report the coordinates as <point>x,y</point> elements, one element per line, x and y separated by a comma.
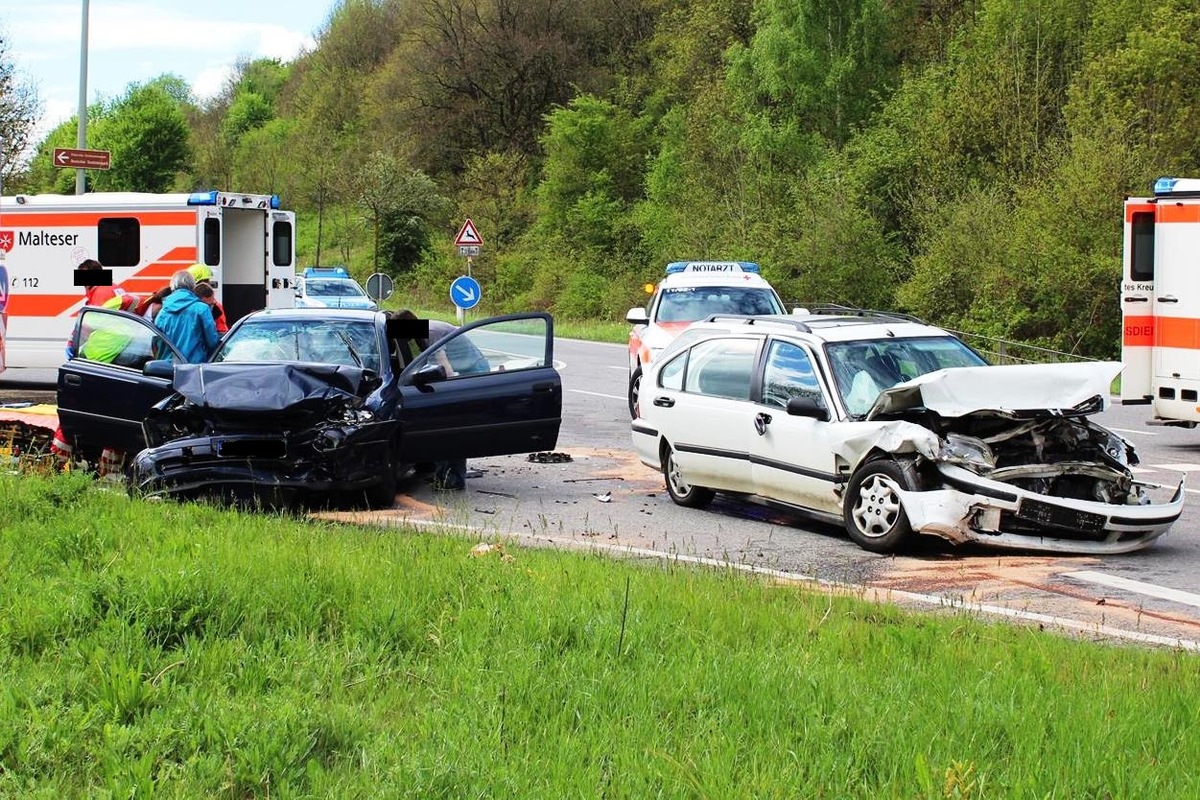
<point>281,243</point>
<point>671,375</point>
<point>1141,266</point>
<point>212,241</point>
<point>502,346</point>
<point>119,241</point>
<point>789,373</point>
<point>722,368</point>
<point>118,340</point>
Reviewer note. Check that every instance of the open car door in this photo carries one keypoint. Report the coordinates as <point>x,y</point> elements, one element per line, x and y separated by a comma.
<point>103,395</point>
<point>488,389</point>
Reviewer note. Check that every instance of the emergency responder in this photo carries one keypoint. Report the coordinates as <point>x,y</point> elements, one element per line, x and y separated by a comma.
<point>203,274</point>
<point>186,320</point>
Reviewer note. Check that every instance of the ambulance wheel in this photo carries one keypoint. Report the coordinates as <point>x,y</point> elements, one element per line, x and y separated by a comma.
<point>682,492</point>
<point>635,388</point>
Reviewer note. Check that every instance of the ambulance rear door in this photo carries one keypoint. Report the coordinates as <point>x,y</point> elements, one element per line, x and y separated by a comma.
<point>1177,291</point>
<point>281,259</point>
<point>1137,301</point>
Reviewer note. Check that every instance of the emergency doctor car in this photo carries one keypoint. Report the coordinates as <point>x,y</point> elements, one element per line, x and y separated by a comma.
<point>690,291</point>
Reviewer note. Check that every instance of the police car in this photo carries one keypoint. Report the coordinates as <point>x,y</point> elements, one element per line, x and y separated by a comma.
<point>330,287</point>
<point>690,291</point>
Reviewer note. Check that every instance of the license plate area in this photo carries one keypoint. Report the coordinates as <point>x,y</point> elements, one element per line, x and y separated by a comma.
<point>251,448</point>
<point>1060,517</point>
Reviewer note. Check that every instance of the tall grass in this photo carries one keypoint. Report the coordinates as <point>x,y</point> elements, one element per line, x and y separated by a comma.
<point>183,651</point>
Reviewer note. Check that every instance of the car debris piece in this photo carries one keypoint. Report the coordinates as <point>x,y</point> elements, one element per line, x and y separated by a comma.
<point>548,457</point>
<point>604,498</point>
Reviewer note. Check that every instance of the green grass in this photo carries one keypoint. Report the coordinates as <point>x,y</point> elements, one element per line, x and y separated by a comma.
<point>185,651</point>
<point>591,330</point>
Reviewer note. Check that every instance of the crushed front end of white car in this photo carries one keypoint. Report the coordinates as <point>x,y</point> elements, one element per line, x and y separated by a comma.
<point>1006,456</point>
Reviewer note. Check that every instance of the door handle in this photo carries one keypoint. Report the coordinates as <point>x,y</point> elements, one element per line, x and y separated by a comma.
<point>1168,299</point>
<point>761,421</point>
<point>543,388</point>
<point>1138,299</point>
<point>664,402</point>
<point>72,380</point>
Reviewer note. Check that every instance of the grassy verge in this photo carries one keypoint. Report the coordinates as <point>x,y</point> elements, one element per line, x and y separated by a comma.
<point>187,651</point>
<point>591,330</point>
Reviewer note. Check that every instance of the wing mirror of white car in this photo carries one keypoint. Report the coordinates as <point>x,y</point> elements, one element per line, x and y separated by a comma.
<point>799,310</point>
<point>637,316</point>
<point>807,407</point>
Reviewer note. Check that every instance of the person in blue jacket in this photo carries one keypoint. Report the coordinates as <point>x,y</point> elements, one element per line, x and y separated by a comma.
<point>187,321</point>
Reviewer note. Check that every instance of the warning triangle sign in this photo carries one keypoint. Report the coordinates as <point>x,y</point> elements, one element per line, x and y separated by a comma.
<point>468,235</point>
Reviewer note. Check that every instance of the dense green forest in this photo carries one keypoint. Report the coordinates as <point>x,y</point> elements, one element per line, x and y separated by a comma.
<point>962,160</point>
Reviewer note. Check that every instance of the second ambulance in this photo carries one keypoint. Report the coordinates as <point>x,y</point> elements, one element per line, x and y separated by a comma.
<point>691,291</point>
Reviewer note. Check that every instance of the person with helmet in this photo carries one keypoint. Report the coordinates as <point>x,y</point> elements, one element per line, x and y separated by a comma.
<point>203,274</point>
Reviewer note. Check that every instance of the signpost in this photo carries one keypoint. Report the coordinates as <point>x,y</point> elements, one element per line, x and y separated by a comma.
<point>465,290</point>
<point>82,159</point>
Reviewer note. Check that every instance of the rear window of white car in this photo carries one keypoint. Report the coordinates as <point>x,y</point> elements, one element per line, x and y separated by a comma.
<point>722,368</point>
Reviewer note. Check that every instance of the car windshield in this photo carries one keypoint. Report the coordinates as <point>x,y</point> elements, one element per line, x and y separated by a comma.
<point>691,303</point>
<point>863,369</point>
<point>321,341</point>
<point>333,287</point>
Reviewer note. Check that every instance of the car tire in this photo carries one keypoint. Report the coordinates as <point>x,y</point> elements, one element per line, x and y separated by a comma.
<point>383,493</point>
<point>681,492</point>
<point>874,516</point>
<point>635,388</point>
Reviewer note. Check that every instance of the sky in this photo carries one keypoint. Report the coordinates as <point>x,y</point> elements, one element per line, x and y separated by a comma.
<point>133,41</point>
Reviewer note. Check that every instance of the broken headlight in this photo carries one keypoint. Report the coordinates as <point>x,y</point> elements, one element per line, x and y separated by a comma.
<point>967,451</point>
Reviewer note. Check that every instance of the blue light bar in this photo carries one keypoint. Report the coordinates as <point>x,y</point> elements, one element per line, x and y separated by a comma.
<point>1164,185</point>
<point>203,198</point>
<point>676,267</point>
<point>274,201</point>
<point>326,272</point>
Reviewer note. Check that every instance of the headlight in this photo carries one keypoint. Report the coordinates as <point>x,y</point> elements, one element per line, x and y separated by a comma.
<point>967,451</point>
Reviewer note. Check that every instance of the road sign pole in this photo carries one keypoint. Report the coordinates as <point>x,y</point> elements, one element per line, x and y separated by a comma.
<point>81,138</point>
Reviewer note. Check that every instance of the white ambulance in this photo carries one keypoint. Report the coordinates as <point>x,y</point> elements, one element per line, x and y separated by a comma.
<point>1160,302</point>
<point>247,240</point>
<point>690,291</point>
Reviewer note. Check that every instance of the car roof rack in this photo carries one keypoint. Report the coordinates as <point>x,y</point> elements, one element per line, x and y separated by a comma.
<point>851,311</point>
<point>763,319</point>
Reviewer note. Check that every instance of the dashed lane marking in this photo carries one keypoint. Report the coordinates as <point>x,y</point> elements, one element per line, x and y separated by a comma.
<point>1137,587</point>
<point>1139,433</point>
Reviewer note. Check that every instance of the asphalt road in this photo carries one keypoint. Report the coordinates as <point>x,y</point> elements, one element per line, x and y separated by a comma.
<point>604,498</point>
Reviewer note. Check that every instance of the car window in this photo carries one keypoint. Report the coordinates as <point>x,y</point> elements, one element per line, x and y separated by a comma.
<point>502,346</point>
<point>316,340</point>
<point>789,373</point>
<point>671,375</point>
<point>334,288</point>
<point>691,303</point>
<point>120,340</point>
<point>863,369</point>
<point>722,368</point>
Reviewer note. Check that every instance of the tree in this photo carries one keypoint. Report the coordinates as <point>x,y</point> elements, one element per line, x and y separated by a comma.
<point>19,110</point>
<point>147,134</point>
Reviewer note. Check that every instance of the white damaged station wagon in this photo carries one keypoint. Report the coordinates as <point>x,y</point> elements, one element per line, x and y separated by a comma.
<point>893,427</point>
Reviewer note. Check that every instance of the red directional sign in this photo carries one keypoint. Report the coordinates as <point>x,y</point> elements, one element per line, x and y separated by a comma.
<point>82,159</point>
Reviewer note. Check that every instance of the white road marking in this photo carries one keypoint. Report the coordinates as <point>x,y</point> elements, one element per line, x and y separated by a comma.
<point>598,394</point>
<point>1138,587</point>
<point>622,368</point>
<point>1177,467</point>
<point>1139,433</point>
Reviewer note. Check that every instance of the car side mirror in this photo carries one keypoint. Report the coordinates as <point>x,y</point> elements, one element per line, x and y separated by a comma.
<point>159,368</point>
<point>430,373</point>
<point>807,407</point>
<point>637,316</point>
<point>800,311</point>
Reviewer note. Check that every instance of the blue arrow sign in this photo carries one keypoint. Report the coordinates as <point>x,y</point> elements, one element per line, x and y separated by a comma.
<point>465,292</point>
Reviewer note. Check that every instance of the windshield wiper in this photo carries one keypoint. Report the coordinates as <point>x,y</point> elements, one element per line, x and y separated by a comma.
<point>358,362</point>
